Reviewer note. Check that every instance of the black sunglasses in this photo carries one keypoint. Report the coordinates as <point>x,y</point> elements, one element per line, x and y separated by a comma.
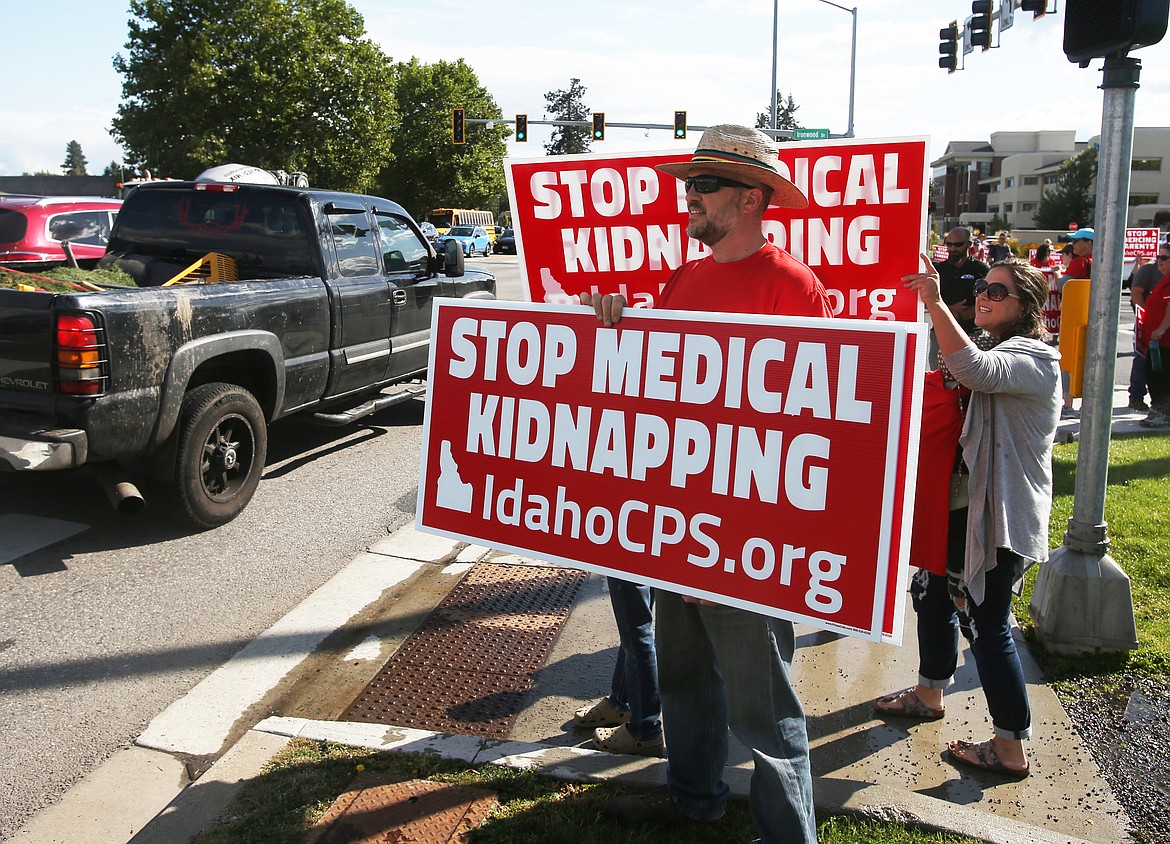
<point>709,184</point>
<point>1164,257</point>
<point>995,291</point>
<point>950,244</point>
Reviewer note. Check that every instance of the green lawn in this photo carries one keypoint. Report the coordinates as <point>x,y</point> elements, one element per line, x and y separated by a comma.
<point>1137,512</point>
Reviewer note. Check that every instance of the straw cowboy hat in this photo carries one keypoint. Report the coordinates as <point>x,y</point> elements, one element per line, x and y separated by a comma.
<point>738,152</point>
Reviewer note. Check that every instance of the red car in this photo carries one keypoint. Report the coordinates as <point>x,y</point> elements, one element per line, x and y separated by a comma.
<point>32,228</point>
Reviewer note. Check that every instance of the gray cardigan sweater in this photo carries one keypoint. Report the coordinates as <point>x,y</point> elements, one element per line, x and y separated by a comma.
<point>1007,446</point>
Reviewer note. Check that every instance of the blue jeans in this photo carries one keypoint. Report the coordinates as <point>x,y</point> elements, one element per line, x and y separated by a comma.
<point>719,667</point>
<point>635,676</point>
<point>1137,379</point>
<point>988,628</point>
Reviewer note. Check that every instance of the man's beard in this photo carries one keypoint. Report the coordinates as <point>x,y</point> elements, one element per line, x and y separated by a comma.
<point>710,229</point>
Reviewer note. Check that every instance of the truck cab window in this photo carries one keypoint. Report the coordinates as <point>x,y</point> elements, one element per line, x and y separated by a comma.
<point>402,249</point>
<point>355,244</point>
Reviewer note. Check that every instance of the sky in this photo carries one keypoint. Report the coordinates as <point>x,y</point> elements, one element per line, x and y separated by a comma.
<point>639,61</point>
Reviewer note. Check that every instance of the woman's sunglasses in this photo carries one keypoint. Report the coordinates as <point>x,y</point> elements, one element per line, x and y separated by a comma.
<point>707,183</point>
<point>995,291</point>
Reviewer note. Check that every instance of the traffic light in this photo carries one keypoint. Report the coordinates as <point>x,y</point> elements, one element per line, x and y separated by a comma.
<point>980,23</point>
<point>1038,8</point>
<point>1094,30</point>
<point>458,126</point>
<point>680,124</point>
<point>521,128</point>
<point>948,48</point>
<point>599,125</point>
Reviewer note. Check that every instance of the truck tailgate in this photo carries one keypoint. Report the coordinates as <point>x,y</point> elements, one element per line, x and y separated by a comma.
<point>26,337</point>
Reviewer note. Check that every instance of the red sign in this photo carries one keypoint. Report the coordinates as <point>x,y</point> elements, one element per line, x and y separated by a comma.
<point>1141,243</point>
<point>612,223</point>
<point>762,462</point>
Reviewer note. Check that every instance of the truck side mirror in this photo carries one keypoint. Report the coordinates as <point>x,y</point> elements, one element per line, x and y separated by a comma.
<point>452,259</point>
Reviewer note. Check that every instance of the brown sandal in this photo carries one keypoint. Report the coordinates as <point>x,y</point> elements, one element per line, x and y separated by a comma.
<point>984,758</point>
<point>907,704</point>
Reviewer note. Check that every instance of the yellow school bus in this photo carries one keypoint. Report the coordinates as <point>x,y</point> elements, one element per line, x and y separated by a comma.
<point>443,218</point>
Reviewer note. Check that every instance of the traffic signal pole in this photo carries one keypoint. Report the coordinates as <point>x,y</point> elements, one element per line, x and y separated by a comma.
<point>779,134</point>
<point>1082,599</point>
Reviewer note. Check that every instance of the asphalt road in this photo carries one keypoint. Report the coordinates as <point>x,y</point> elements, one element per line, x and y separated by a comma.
<point>104,629</point>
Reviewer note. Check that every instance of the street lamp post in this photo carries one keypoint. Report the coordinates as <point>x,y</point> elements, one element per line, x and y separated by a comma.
<point>852,60</point>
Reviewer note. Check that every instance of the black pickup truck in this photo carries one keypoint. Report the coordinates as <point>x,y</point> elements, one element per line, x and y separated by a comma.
<point>253,303</point>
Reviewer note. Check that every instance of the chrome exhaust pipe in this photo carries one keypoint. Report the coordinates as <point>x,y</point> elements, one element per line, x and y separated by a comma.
<point>123,494</point>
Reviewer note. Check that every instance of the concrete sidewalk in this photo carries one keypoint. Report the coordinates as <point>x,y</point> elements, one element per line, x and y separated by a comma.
<point>884,769</point>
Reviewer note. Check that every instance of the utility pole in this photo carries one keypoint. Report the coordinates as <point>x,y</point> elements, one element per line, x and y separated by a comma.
<point>1082,599</point>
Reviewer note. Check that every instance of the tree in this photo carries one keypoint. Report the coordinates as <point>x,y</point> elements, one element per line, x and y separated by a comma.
<point>74,160</point>
<point>113,169</point>
<point>568,105</point>
<point>429,171</point>
<point>787,114</point>
<point>998,224</point>
<point>281,84</point>
<point>1072,199</point>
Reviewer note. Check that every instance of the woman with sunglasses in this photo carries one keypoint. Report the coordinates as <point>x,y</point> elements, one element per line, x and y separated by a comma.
<point>1007,449</point>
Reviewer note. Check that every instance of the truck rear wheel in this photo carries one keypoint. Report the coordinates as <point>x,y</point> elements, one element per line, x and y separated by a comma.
<point>223,441</point>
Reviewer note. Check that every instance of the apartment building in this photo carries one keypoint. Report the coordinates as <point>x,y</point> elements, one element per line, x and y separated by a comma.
<point>974,181</point>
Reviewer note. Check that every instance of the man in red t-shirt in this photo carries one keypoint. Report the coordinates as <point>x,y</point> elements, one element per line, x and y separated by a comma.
<point>720,666</point>
<point>1081,266</point>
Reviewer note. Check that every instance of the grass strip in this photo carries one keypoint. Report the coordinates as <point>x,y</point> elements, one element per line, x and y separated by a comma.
<point>300,783</point>
<point>1137,512</point>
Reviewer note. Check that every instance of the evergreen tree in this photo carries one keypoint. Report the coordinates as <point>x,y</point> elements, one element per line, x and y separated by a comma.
<point>74,160</point>
<point>1072,199</point>
<point>113,169</point>
<point>787,114</point>
<point>568,105</point>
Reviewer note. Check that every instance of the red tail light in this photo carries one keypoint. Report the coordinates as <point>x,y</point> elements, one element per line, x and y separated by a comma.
<point>80,355</point>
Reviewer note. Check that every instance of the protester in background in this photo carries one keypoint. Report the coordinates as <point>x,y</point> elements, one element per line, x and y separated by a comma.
<point>1043,259</point>
<point>1001,250</point>
<point>629,719</point>
<point>1007,449</point>
<point>958,274</point>
<point>1047,263</point>
<point>1080,267</point>
<point>1141,282</point>
<point>721,666</point>
<point>1151,331</point>
<point>978,249</point>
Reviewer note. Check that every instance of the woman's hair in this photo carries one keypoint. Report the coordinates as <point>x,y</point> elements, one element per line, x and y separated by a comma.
<point>1042,252</point>
<point>1032,288</point>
